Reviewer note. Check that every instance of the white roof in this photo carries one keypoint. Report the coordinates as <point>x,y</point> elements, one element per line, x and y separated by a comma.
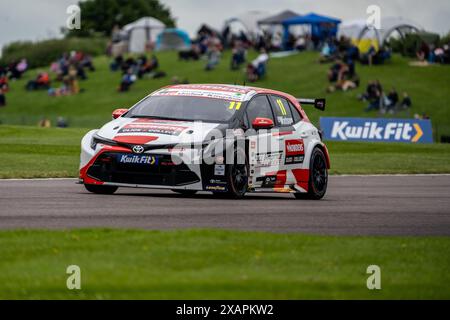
<point>145,22</point>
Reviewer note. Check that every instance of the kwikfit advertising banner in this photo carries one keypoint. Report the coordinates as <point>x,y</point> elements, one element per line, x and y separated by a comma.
<point>377,130</point>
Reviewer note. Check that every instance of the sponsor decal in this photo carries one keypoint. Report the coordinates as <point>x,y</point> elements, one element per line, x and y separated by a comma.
<point>216,187</point>
<point>284,121</point>
<point>377,130</point>
<point>202,93</point>
<point>219,170</point>
<point>295,151</point>
<point>268,159</point>
<point>217,181</point>
<point>139,126</point>
<point>137,159</point>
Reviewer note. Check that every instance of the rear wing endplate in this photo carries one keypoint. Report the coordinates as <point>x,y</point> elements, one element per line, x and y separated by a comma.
<point>318,103</point>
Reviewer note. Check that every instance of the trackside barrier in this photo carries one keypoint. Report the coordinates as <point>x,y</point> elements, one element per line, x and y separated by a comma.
<point>376,130</point>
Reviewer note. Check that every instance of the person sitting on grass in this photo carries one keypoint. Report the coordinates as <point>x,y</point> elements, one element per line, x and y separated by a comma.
<point>257,68</point>
<point>328,52</point>
<point>345,75</point>
<point>44,123</point>
<point>147,66</point>
<point>63,90</point>
<point>213,57</point>
<point>391,100</point>
<point>237,55</point>
<point>116,64</point>
<point>406,102</point>
<point>127,80</point>
<point>42,81</point>
<point>373,95</point>
<point>2,97</point>
<point>4,81</point>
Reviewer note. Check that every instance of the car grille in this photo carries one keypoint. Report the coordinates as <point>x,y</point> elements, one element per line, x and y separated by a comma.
<point>107,168</point>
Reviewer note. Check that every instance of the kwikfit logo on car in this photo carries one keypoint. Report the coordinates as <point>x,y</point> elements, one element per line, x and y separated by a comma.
<point>137,159</point>
<point>386,130</point>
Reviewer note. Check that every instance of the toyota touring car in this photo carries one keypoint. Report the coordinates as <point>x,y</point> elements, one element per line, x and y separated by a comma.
<point>226,139</point>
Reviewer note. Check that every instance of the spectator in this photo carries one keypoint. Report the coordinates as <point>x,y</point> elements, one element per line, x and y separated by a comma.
<point>373,94</point>
<point>127,80</point>
<point>423,53</point>
<point>45,123</point>
<point>238,54</point>
<point>391,100</point>
<point>328,52</point>
<point>4,81</point>
<point>74,88</point>
<point>61,123</point>
<point>344,76</point>
<point>337,71</point>
<point>213,57</point>
<point>193,53</point>
<point>147,66</point>
<point>22,66</point>
<point>117,63</point>
<point>257,68</point>
<point>300,44</point>
<point>2,97</point>
<point>406,102</point>
<point>276,43</point>
<point>42,81</point>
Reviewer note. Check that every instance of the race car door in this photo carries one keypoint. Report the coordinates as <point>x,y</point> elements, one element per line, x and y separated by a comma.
<point>288,137</point>
<point>295,141</point>
<point>265,150</point>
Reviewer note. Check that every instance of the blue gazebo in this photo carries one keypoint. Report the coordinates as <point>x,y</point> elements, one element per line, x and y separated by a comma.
<point>322,27</point>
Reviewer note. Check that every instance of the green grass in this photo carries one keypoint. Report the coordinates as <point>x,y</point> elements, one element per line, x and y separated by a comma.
<point>204,264</point>
<point>299,75</point>
<point>31,152</point>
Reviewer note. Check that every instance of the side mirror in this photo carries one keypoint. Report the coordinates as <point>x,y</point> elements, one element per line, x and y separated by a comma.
<point>262,123</point>
<point>118,113</point>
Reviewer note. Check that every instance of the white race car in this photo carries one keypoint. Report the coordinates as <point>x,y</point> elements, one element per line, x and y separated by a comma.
<point>209,137</point>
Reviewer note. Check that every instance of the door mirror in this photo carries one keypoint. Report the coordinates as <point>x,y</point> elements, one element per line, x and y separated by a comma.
<point>118,113</point>
<point>262,123</point>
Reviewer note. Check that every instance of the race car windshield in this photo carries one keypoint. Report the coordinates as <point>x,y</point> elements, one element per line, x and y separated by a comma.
<point>185,108</point>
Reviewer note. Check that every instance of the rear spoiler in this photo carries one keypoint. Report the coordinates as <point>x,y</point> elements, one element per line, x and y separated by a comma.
<point>318,103</point>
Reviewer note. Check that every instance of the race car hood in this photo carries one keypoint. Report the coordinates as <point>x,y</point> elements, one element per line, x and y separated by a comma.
<point>158,131</point>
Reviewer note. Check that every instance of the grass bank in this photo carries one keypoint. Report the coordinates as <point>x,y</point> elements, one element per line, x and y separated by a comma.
<point>205,264</point>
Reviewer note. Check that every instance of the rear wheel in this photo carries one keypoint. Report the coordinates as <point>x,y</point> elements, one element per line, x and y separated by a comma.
<point>318,177</point>
<point>185,192</point>
<point>100,189</point>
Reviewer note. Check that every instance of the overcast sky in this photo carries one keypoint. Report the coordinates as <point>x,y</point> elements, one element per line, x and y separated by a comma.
<point>40,19</point>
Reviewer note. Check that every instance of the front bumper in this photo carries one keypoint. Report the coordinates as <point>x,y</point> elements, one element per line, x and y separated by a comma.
<point>108,169</point>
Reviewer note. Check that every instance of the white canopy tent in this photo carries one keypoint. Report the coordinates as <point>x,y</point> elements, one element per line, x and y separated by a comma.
<point>142,32</point>
<point>247,22</point>
<point>364,37</point>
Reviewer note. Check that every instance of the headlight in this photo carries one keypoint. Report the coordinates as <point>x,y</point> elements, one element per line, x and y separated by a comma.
<point>96,139</point>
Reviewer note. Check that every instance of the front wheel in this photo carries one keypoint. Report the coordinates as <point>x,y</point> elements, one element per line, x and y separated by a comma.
<point>100,189</point>
<point>318,177</point>
<point>237,176</point>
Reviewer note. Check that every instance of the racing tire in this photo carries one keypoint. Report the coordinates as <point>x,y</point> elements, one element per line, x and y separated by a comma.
<point>237,177</point>
<point>99,189</point>
<point>318,177</point>
<point>185,192</point>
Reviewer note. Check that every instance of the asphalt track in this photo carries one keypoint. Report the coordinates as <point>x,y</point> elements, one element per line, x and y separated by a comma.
<point>354,205</point>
